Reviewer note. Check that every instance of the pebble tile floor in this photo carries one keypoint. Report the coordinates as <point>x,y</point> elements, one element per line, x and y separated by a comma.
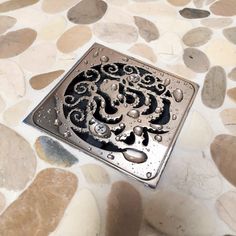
<point>49,188</point>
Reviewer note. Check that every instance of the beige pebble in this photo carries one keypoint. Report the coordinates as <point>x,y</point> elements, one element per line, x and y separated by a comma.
<point>147,29</point>
<point>198,3</point>
<point>144,51</point>
<point>2,104</point>
<point>173,25</point>
<point>87,11</point>
<point>39,58</point>
<point>39,209</point>
<point>216,23</point>
<point>84,209</point>
<point>232,74</point>
<point>43,80</point>
<point>159,8</point>
<point>95,174</point>
<point>55,6</point>
<point>221,52</point>
<point>117,15</point>
<point>14,115</point>
<point>6,22</point>
<point>230,34</point>
<point>191,135</point>
<point>11,5</point>
<point>169,47</point>
<point>53,28</point>
<point>232,94</point>
<point>16,42</point>
<point>193,174</point>
<point>115,32</point>
<point>12,83</point>
<point>74,38</point>
<point>179,2</point>
<point>197,37</point>
<point>196,60</point>
<point>224,7</point>
<point>228,117</point>
<point>117,2</point>
<point>223,151</point>
<point>124,210</point>
<point>173,213</point>
<point>17,160</point>
<point>226,208</point>
<point>214,87</point>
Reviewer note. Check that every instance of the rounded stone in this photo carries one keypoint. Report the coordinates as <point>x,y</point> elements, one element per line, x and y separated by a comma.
<point>192,13</point>
<point>6,22</point>
<point>232,94</point>
<point>214,88</point>
<point>16,42</point>
<point>39,58</point>
<point>224,7</point>
<point>191,135</point>
<point>228,118</point>
<point>87,11</point>
<point>223,151</point>
<point>74,38</point>
<point>124,210</point>
<point>230,34</point>
<point>197,37</point>
<point>173,213</point>
<point>221,52</point>
<point>196,60</point>
<point>115,32</point>
<point>16,154</point>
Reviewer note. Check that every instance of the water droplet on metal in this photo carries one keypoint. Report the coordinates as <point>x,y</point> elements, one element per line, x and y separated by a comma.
<point>157,127</point>
<point>49,110</point>
<point>133,113</point>
<point>126,59</point>
<point>89,148</point>
<point>149,175</point>
<point>110,156</point>
<point>138,130</point>
<point>174,117</point>
<point>114,87</point>
<point>158,138</point>
<point>96,54</point>
<point>178,95</point>
<point>57,122</point>
<point>158,110</point>
<point>134,155</point>
<point>85,62</point>
<point>122,125</point>
<point>139,121</point>
<point>67,134</point>
<point>167,82</point>
<point>104,59</point>
<point>147,101</point>
<point>120,96</point>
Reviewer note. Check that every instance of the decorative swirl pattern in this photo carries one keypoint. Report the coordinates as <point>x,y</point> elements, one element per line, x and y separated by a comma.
<point>96,96</point>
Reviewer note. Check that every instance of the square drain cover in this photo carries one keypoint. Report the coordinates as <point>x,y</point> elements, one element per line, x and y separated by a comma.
<point>119,110</point>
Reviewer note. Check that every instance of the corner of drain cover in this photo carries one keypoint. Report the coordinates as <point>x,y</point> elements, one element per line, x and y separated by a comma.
<point>119,110</point>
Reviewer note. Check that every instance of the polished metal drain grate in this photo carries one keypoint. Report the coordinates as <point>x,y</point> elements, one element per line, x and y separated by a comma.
<point>119,110</point>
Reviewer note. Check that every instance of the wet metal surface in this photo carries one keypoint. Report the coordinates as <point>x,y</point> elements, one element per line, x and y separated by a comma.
<point>119,110</point>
